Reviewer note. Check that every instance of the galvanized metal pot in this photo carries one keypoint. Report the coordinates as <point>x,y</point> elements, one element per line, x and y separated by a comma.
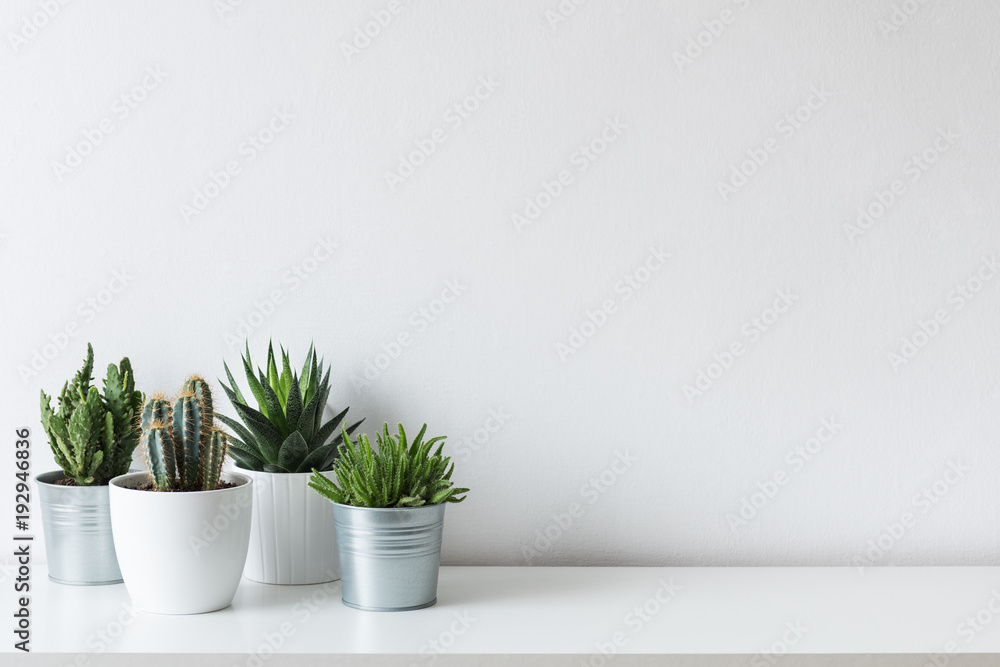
<point>181,552</point>
<point>76,521</point>
<point>389,557</point>
<point>292,539</point>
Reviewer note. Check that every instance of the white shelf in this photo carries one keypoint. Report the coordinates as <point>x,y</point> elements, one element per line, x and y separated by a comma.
<point>720,611</point>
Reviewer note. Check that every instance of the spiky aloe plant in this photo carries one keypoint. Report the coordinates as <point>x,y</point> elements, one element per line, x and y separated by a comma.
<point>394,475</point>
<point>183,448</point>
<point>93,435</point>
<point>286,433</point>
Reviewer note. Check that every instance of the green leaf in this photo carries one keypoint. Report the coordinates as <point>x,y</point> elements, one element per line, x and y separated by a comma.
<point>275,411</point>
<point>327,488</point>
<point>317,458</point>
<point>456,491</point>
<point>255,387</point>
<point>307,419</point>
<point>323,434</point>
<point>232,383</point>
<point>266,436</point>
<point>323,393</point>
<point>293,450</point>
<point>243,456</point>
<point>285,381</point>
<point>272,368</point>
<point>417,442</point>
<point>248,438</point>
<point>307,377</point>
<point>293,407</point>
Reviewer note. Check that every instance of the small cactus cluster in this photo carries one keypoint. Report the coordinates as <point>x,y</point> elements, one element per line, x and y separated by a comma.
<point>93,434</point>
<point>183,448</point>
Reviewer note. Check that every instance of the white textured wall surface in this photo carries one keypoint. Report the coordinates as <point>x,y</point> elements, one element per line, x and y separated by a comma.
<point>684,282</point>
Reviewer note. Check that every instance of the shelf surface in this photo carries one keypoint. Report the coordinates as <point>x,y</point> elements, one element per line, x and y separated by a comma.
<point>521,610</point>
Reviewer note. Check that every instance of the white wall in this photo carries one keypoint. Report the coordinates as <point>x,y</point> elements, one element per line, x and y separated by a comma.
<point>885,95</point>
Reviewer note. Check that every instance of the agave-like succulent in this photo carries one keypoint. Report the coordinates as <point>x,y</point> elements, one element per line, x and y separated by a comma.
<point>286,432</point>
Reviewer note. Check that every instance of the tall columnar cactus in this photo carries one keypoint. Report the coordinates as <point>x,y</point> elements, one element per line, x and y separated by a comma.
<point>157,442</point>
<point>183,447</point>
<point>93,435</point>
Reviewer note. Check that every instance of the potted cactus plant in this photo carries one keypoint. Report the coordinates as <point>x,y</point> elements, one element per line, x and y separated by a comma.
<point>92,435</point>
<point>182,527</point>
<point>388,507</point>
<point>278,444</point>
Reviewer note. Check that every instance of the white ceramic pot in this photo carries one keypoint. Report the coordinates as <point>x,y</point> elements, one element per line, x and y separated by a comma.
<point>292,539</point>
<point>181,552</point>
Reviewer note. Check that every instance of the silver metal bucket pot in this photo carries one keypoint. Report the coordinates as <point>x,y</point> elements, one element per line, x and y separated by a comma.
<point>389,558</point>
<point>76,521</point>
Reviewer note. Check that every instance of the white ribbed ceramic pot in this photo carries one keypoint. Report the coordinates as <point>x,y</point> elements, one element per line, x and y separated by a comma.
<point>292,535</point>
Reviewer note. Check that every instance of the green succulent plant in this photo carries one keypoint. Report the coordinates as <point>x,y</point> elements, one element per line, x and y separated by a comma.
<point>286,433</point>
<point>183,448</point>
<point>396,474</point>
<point>93,435</point>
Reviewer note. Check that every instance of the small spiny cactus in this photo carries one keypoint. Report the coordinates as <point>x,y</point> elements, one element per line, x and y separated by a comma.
<point>183,447</point>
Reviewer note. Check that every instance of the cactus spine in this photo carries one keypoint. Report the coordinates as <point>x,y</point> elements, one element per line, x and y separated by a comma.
<point>183,448</point>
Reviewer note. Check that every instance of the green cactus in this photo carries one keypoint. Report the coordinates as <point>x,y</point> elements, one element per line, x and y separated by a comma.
<point>93,435</point>
<point>213,454</point>
<point>183,448</point>
<point>158,445</point>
